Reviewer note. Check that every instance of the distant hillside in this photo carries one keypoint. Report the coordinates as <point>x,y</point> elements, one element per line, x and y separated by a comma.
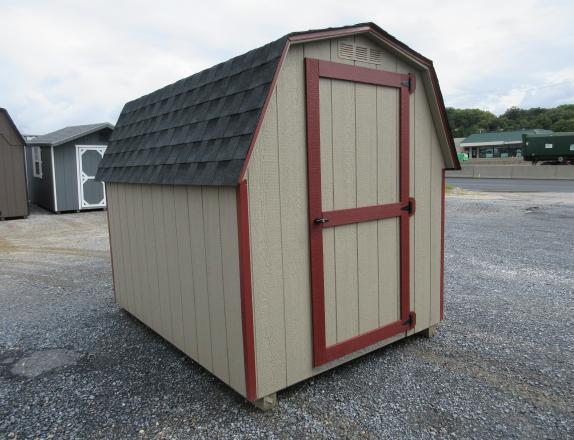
<point>466,121</point>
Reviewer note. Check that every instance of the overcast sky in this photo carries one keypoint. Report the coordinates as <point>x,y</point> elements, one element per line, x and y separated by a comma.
<point>77,62</point>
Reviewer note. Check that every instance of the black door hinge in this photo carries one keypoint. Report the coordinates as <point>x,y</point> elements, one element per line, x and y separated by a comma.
<point>409,83</point>
<point>410,207</point>
<point>411,321</point>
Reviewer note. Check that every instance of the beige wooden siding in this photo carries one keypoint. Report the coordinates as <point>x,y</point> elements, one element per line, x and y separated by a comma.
<point>176,268</point>
<point>277,177</point>
<point>13,195</point>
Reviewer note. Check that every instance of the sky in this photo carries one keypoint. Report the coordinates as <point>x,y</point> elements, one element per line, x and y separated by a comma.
<point>77,62</point>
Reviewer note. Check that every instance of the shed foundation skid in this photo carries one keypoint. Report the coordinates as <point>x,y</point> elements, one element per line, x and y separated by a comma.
<point>279,226</point>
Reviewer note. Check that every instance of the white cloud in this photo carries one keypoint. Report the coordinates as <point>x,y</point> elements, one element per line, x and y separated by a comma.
<point>69,62</point>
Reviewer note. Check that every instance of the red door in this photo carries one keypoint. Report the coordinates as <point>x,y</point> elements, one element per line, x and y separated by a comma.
<point>360,83</point>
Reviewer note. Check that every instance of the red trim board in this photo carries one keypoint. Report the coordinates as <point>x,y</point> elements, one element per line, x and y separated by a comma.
<point>442,203</point>
<point>314,69</point>
<point>246,291</point>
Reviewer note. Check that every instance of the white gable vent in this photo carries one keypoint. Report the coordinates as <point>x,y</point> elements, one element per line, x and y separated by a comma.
<point>350,51</point>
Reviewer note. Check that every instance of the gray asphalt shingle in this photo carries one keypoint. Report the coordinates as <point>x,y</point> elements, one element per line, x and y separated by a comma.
<point>196,131</point>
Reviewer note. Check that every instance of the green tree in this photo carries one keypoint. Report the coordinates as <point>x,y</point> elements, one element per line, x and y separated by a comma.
<point>464,122</point>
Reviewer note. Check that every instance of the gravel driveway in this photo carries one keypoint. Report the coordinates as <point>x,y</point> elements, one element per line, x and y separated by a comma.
<point>73,365</point>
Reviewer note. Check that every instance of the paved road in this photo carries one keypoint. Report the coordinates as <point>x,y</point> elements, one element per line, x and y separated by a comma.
<point>513,185</point>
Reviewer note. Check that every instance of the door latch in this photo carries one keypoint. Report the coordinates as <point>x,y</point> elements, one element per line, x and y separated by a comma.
<point>320,220</point>
<point>410,207</point>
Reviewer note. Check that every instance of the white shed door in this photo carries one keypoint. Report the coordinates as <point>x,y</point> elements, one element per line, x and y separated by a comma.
<point>91,194</point>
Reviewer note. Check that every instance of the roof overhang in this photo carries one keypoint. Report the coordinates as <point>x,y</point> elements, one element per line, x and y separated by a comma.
<point>72,138</point>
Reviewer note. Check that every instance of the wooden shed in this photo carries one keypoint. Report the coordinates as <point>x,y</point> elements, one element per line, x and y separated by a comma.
<point>62,165</point>
<point>282,212</point>
<point>13,195</point>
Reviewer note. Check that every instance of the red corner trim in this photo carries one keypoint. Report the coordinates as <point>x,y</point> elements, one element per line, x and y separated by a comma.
<point>263,111</point>
<point>314,69</point>
<point>110,241</point>
<point>246,295</point>
<point>443,188</point>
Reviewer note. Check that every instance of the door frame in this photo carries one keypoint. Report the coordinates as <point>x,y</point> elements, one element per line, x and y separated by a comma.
<point>101,149</point>
<point>318,219</point>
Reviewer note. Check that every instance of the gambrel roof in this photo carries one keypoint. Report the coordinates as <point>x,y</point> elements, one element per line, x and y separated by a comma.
<point>201,129</point>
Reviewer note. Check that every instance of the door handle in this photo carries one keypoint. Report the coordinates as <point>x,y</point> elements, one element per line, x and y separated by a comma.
<point>320,220</point>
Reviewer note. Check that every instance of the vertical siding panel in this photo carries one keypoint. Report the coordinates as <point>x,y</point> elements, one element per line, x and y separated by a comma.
<point>124,221</point>
<point>151,256</point>
<point>326,134</point>
<point>388,192</point>
<point>215,282</point>
<point>185,270</point>
<point>173,287</point>
<point>322,50</point>
<point>367,252</point>
<point>266,261</point>
<point>294,222</point>
<point>161,257</point>
<point>345,196</point>
<point>8,181</point>
<point>131,231</point>
<point>435,229</point>
<point>20,166</point>
<point>135,257</point>
<point>231,287</point>
<point>140,256</point>
<point>423,132</point>
<point>195,205</point>
<point>116,244</point>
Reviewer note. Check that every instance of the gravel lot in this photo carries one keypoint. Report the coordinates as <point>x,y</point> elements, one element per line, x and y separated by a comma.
<point>73,365</point>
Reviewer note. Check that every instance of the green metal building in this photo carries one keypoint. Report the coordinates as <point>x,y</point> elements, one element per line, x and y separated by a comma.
<point>497,145</point>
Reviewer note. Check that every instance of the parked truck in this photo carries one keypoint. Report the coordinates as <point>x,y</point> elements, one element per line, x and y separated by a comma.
<point>553,148</point>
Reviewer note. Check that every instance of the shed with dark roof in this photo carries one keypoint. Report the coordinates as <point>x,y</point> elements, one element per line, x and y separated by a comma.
<point>267,215</point>
<point>62,165</point>
<point>13,195</point>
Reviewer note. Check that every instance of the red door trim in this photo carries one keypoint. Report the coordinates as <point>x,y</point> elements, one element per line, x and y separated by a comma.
<point>314,69</point>
<point>347,72</point>
<point>245,291</point>
<point>314,200</point>
<point>365,214</point>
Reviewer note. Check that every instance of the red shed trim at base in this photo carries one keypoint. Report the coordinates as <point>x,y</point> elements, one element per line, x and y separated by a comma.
<point>246,291</point>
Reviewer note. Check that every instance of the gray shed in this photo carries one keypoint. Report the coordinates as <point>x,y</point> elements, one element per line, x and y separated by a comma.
<point>13,195</point>
<point>61,167</point>
<point>282,212</point>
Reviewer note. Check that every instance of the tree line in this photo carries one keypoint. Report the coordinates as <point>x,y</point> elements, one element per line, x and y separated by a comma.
<point>466,121</point>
